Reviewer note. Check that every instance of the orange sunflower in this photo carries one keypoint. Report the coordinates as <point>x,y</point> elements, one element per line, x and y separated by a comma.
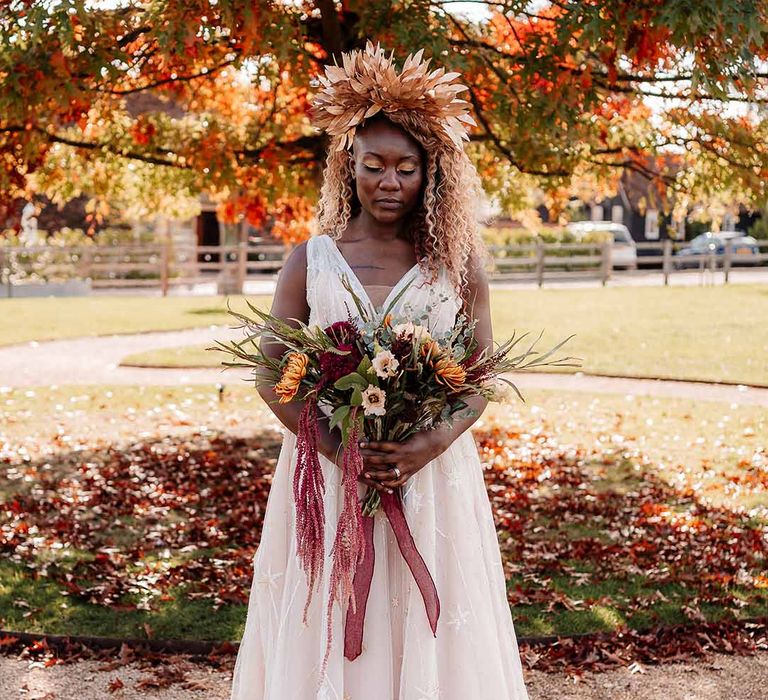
<point>294,371</point>
<point>449,373</point>
<point>431,348</point>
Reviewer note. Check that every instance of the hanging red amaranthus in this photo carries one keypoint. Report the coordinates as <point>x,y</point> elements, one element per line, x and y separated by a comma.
<point>308,492</point>
<point>349,544</point>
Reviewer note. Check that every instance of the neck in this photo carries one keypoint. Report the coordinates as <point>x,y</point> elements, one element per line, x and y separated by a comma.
<point>367,225</point>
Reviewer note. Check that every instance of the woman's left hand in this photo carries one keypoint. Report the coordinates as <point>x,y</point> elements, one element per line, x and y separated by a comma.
<point>412,454</point>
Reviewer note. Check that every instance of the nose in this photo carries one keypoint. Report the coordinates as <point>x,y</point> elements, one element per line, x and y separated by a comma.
<point>389,181</point>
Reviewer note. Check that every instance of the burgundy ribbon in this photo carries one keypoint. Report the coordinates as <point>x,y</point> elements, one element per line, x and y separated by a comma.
<point>353,631</point>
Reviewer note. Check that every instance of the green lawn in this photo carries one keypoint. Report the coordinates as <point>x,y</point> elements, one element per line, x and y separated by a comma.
<point>705,333</point>
<point>22,320</point>
<point>585,467</point>
<point>709,334</point>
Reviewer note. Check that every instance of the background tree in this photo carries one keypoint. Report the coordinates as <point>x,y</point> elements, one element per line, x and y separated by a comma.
<point>147,104</point>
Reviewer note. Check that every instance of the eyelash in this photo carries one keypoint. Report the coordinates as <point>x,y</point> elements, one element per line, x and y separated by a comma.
<point>376,170</point>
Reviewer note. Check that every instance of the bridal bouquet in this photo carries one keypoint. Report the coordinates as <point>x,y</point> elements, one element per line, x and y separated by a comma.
<point>381,376</point>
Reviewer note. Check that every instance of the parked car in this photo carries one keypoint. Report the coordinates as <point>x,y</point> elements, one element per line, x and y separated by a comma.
<point>623,249</point>
<point>744,249</point>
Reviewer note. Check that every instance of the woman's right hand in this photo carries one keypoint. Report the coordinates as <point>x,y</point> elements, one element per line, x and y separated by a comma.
<point>372,482</point>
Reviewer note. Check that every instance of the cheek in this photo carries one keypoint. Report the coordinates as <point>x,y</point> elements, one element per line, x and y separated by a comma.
<point>366,185</point>
<point>413,188</point>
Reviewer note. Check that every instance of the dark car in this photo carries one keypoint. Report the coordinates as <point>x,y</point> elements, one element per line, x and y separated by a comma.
<point>744,250</point>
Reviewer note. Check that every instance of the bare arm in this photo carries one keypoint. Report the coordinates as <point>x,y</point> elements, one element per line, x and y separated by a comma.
<point>290,302</point>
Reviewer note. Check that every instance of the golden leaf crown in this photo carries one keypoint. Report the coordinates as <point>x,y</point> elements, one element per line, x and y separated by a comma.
<point>367,82</point>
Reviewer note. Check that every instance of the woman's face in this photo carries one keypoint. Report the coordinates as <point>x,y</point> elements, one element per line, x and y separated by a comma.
<point>388,168</point>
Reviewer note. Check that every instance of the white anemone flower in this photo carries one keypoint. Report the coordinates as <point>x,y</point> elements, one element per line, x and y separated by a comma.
<point>373,401</point>
<point>420,334</point>
<point>385,364</point>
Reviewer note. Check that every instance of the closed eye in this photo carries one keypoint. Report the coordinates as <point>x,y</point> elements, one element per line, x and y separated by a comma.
<point>377,170</point>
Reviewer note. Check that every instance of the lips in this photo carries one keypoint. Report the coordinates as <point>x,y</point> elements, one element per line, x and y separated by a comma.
<point>391,202</point>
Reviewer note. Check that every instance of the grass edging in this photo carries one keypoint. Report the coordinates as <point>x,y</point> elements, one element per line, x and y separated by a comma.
<point>607,375</point>
<point>25,343</point>
<point>207,647</point>
<point>663,378</point>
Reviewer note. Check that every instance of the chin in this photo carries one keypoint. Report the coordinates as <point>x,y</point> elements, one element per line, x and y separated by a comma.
<point>388,216</point>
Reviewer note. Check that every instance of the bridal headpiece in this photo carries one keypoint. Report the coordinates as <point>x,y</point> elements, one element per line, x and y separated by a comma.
<point>367,82</point>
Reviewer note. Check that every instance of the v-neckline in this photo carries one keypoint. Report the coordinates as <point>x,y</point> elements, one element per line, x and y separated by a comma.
<point>356,279</point>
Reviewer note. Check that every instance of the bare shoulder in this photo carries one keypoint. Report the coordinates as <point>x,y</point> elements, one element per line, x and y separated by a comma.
<point>477,274</point>
<point>290,298</point>
<point>476,301</point>
<point>295,264</point>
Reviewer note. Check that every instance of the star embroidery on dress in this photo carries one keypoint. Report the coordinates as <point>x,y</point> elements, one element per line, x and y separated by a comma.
<point>395,601</point>
<point>415,500</point>
<point>454,478</point>
<point>327,691</point>
<point>269,578</point>
<point>458,618</point>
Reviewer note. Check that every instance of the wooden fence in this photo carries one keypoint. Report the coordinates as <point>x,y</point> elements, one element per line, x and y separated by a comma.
<point>165,265</point>
<point>540,262</point>
<point>160,265</point>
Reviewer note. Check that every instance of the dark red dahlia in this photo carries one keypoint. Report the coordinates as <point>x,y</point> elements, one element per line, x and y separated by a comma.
<point>342,332</point>
<point>335,366</point>
<point>473,357</point>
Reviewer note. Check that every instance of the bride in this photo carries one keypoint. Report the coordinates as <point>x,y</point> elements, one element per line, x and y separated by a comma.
<point>396,213</point>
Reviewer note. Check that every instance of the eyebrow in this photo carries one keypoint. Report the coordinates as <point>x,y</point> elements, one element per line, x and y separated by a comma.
<point>378,155</point>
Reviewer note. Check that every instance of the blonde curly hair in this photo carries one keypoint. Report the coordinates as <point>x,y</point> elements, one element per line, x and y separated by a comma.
<point>442,227</point>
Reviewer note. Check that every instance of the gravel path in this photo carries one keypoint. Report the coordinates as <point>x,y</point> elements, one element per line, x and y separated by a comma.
<point>717,677</point>
<point>95,360</point>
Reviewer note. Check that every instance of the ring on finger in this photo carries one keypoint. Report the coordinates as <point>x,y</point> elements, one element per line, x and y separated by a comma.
<point>397,471</point>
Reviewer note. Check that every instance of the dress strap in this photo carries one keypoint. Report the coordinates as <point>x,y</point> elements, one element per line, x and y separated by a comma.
<point>317,259</point>
<point>311,270</point>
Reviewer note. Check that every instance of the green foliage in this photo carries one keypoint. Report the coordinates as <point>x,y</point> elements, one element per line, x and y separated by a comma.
<point>760,228</point>
<point>147,105</point>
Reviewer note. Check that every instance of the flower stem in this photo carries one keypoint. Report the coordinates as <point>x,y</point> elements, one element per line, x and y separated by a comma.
<point>371,502</point>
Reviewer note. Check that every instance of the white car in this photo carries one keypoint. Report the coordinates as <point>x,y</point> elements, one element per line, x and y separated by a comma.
<point>623,250</point>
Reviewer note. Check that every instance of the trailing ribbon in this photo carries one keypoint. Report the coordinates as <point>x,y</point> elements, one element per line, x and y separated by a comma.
<point>352,555</point>
<point>353,630</point>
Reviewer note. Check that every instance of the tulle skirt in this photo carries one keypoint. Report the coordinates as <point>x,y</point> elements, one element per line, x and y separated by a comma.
<point>474,654</point>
